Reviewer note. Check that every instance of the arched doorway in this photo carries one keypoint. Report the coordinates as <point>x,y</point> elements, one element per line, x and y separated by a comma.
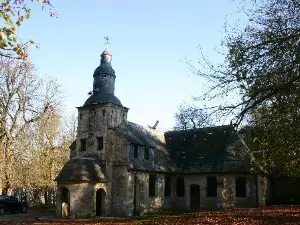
<point>100,197</point>
<point>194,197</point>
<point>65,202</point>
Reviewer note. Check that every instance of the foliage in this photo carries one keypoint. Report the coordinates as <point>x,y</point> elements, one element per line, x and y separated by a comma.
<point>275,133</point>
<point>242,216</point>
<point>33,142</point>
<point>262,63</point>
<point>191,117</point>
<point>13,13</point>
<point>262,68</point>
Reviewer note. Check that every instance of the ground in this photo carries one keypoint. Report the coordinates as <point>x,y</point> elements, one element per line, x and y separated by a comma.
<point>243,216</point>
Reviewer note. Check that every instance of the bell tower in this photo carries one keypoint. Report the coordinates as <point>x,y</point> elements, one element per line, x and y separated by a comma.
<point>100,113</point>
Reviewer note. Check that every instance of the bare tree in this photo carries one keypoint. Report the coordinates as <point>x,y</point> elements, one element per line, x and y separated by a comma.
<point>261,73</point>
<point>261,64</point>
<point>24,99</point>
<point>191,117</point>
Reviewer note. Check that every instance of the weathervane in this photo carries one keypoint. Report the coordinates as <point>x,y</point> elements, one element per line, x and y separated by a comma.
<point>107,38</point>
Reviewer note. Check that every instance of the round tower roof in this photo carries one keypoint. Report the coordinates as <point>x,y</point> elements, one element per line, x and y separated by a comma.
<point>106,52</point>
<point>104,83</point>
<point>98,98</point>
<point>105,65</point>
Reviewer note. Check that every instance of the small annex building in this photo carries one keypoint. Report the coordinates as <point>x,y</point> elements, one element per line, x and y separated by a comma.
<point>119,168</point>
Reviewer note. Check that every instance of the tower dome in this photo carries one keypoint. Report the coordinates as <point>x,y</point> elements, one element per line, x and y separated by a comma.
<point>104,82</point>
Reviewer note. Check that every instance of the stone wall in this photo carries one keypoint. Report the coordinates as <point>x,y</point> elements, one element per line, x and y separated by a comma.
<point>121,203</point>
<point>226,193</point>
<point>82,199</point>
<point>95,122</point>
<point>146,203</point>
<point>226,196</point>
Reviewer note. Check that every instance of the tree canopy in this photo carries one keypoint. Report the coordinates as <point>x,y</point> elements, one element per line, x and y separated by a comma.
<point>262,68</point>
<point>33,139</point>
<point>191,117</point>
<point>13,13</point>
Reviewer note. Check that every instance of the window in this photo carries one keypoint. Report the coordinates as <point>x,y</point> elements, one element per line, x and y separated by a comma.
<point>99,143</point>
<point>167,186</point>
<point>180,187</point>
<point>146,153</point>
<point>83,144</point>
<point>211,186</point>
<point>80,116</point>
<point>152,184</point>
<point>135,151</point>
<point>240,187</point>
<point>3,197</point>
<point>12,199</point>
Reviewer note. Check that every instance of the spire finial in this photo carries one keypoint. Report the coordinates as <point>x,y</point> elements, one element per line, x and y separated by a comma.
<point>107,38</point>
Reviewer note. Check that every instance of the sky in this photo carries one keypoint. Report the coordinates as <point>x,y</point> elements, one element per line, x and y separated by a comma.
<point>149,42</point>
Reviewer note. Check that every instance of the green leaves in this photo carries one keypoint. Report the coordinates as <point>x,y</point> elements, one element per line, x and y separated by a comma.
<point>13,14</point>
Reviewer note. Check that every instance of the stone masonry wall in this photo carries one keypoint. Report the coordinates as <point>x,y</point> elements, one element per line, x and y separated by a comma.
<point>226,196</point>
<point>95,122</point>
<point>225,192</point>
<point>146,203</point>
<point>82,199</point>
<point>117,160</point>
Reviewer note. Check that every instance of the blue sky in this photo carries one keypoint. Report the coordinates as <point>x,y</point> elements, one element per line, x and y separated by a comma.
<point>149,40</point>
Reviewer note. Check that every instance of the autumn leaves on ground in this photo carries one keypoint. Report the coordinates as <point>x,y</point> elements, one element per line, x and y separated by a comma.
<point>257,216</point>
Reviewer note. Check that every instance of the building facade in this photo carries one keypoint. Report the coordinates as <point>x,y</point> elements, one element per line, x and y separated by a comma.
<point>119,168</point>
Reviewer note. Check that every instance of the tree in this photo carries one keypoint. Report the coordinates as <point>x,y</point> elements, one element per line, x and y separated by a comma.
<point>262,63</point>
<point>262,68</point>
<point>49,154</point>
<point>24,100</point>
<point>191,117</point>
<point>13,13</point>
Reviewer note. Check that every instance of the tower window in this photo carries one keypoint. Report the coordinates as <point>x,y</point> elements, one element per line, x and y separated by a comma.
<point>135,151</point>
<point>152,184</point>
<point>83,144</point>
<point>146,154</point>
<point>99,143</point>
<point>80,116</point>
<point>211,186</point>
<point>240,187</point>
<point>167,186</point>
<point>180,187</point>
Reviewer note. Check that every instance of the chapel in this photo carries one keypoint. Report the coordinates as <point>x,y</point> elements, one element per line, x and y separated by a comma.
<point>119,168</point>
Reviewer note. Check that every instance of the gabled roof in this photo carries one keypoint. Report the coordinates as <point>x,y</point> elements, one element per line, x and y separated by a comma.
<point>205,150</point>
<point>81,169</point>
<point>138,134</point>
<point>147,137</point>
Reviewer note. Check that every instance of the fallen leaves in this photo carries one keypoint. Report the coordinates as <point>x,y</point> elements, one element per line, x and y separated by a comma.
<point>239,216</point>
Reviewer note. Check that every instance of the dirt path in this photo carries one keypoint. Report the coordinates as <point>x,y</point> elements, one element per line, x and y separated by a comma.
<point>32,214</point>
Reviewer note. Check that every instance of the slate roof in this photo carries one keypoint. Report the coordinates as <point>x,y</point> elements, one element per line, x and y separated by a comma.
<point>205,150</point>
<point>144,136</point>
<point>104,69</point>
<point>99,98</point>
<point>81,169</point>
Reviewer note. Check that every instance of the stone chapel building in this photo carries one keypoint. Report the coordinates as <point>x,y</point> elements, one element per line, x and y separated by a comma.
<point>119,168</point>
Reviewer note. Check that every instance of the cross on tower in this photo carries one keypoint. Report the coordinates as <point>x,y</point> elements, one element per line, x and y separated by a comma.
<point>107,43</point>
